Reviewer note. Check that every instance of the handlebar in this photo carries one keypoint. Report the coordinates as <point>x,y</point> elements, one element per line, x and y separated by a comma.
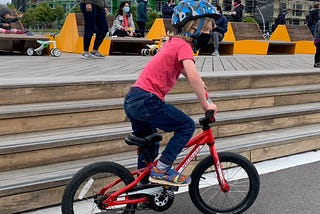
<point>208,119</point>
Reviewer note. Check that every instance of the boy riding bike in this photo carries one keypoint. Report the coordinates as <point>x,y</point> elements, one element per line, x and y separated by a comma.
<point>145,102</point>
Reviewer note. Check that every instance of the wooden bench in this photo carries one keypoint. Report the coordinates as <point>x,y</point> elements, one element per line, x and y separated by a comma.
<point>118,45</point>
<point>161,27</point>
<point>248,39</point>
<point>19,42</point>
<point>299,35</point>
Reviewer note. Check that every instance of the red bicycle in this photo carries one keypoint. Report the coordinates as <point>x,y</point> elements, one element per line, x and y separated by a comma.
<point>221,183</point>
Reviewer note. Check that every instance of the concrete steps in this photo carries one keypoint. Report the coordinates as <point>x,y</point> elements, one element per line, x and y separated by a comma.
<point>51,129</point>
<point>38,187</point>
<point>47,147</point>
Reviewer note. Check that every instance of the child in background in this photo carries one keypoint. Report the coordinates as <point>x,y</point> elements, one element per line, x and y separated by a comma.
<point>317,44</point>
<point>5,23</point>
<point>145,103</point>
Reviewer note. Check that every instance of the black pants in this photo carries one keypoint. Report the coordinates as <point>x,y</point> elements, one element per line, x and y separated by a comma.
<point>120,33</point>
<point>94,22</point>
<point>317,55</point>
<point>141,27</point>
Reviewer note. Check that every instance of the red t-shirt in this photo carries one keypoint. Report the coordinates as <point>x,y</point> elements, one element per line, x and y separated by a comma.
<point>161,73</point>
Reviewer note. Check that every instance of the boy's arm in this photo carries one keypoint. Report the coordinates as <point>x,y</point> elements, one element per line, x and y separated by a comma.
<point>197,84</point>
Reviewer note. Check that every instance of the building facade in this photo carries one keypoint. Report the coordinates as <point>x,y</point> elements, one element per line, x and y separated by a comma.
<point>264,11</point>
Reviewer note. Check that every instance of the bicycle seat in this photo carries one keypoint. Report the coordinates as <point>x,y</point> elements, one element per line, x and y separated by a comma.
<point>133,140</point>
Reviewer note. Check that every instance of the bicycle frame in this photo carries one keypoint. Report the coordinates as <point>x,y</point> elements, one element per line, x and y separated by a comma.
<point>197,142</point>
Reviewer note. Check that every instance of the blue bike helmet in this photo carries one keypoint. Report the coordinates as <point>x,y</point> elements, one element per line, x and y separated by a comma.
<point>192,9</point>
<point>188,10</point>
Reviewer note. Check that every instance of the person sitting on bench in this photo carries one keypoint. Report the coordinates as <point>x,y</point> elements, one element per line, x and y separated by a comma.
<point>220,28</point>
<point>123,24</point>
<point>5,23</point>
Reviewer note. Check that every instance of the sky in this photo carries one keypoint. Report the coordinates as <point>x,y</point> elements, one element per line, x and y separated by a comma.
<point>4,1</point>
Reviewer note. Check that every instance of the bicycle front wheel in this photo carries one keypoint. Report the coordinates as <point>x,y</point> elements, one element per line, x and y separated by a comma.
<point>241,176</point>
<point>83,193</point>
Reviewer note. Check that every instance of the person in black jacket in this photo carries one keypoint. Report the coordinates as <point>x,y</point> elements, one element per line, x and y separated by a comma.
<point>281,20</point>
<point>5,22</point>
<point>167,9</point>
<point>313,17</point>
<point>237,12</point>
<point>142,16</point>
<point>220,28</point>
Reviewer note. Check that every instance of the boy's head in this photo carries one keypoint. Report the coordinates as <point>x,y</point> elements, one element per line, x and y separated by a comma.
<point>194,19</point>
<point>5,14</point>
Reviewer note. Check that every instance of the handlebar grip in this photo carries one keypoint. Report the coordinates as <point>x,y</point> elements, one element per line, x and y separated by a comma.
<point>210,116</point>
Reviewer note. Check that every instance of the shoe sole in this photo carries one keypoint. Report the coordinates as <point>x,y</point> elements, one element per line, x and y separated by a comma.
<point>163,182</point>
<point>82,57</point>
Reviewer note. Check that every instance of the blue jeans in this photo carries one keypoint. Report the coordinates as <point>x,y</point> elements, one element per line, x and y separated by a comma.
<point>147,113</point>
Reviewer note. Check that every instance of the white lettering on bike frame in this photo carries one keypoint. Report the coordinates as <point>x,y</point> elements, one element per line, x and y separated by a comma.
<point>191,157</point>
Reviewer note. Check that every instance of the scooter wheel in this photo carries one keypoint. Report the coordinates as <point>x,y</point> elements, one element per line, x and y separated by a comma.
<point>30,51</point>
<point>55,52</point>
<point>39,52</point>
<point>142,51</point>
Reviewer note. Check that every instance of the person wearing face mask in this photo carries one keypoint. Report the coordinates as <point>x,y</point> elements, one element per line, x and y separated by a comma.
<point>145,104</point>
<point>123,24</point>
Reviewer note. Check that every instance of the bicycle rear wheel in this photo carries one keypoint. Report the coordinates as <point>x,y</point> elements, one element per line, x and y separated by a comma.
<point>82,195</point>
<point>241,176</point>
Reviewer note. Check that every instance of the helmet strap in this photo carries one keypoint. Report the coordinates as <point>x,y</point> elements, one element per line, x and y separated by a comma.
<point>196,34</point>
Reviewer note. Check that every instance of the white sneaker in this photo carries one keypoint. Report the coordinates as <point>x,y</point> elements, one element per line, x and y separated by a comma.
<point>215,53</point>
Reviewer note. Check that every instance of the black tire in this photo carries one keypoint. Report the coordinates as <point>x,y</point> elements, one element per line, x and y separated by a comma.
<point>102,173</point>
<point>209,198</point>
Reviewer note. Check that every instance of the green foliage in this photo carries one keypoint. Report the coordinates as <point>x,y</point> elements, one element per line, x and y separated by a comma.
<point>76,9</point>
<point>249,19</point>
<point>152,15</point>
<point>43,16</point>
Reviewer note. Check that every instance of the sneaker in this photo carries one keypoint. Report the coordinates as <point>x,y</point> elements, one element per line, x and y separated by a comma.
<point>215,53</point>
<point>317,65</point>
<point>169,177</point>
<point>97,55</point>
<point>87,56</point>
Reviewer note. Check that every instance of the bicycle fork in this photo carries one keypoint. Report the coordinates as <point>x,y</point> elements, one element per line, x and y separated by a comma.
<point>224,186</point>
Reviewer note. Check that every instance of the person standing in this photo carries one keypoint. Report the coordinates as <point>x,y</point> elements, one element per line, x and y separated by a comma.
<point>220,28</point>
<point>313,17</point>
<point>317,44</point>
<point>142,16</point>
<point>167,9</point>
<point>237,12</point>
<point>95,21</point>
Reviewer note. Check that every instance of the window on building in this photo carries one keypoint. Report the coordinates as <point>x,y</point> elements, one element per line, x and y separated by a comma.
<point>297,10</point>
<point>294,21</point>
<point>249,6</point>
<point>227,5</point>
<point>283,6</point>
<point>215,2</point>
